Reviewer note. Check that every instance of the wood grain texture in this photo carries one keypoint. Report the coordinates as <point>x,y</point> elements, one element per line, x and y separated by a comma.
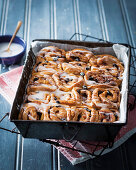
<point>36,155</point>
<point>111,20</point>
<point>130,11</point>
<point>1,5</point>
<point>13,17</point>
<point>7,139</point>
<point>114,21</point>
<point>64,25</point>
<point>90,19</point>
<point>39,20</point>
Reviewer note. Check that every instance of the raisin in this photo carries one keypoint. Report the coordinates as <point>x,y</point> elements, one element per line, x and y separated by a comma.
<point>109,93</point>
<point>96,80</point>
<point>67,80</point>
<point>85,87</point>
<point>55,59</point>
<point>82,74</point>
<point>77,58</point>
<point>39,114</point>
<point>39,63</point>
<point>55,98</point>
<point>115,65</point>
<point>84,95</point>
<point>62,56</point>
<point>87,68</point>
<point>78,90</point>
<point>91,78</point>
<point>99,92</point>
<point>63,119</point>
<point>87,109</point>
<point>78,118</point>
<point>36,78</point>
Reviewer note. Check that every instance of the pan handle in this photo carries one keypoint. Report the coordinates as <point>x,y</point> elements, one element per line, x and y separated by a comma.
<point>70,132</point>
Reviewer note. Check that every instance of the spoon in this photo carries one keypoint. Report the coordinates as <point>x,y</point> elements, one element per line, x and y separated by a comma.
<point>13,36</point>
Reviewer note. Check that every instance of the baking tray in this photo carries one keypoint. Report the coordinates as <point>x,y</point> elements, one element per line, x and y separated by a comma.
<point>90,131</point>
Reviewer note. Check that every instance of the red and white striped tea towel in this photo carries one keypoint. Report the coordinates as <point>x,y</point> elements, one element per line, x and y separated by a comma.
<point>8,85</point>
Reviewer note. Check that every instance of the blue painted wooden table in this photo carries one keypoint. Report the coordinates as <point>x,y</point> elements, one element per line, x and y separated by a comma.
<point>112,20</point>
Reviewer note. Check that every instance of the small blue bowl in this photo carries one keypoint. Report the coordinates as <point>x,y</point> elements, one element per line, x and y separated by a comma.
<point>16,58</point>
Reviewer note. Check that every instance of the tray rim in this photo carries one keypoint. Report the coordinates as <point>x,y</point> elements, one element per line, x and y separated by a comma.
<point>83,43</point>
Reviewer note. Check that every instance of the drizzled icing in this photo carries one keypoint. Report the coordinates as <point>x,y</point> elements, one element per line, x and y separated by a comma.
<point>42,68</point>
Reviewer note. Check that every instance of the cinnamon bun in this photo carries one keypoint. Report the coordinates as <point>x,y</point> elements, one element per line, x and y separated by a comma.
<point>82,55</point>
<point>56,113</point>
<point>41,82</point>
<point>51,53</point>
<point>105,96</point>
<point>30,111</point>
<point>66,82</point>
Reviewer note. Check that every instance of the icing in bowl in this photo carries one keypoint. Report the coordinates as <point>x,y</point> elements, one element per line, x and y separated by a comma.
<point>17,50</point>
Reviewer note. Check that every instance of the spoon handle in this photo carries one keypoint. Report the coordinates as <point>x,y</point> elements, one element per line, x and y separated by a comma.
<point>17,28</point>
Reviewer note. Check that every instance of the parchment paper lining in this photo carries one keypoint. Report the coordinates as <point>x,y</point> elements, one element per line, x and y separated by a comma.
<point>116,50</point>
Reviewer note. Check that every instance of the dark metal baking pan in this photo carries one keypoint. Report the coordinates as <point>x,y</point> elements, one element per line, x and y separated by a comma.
<point>60,130</point>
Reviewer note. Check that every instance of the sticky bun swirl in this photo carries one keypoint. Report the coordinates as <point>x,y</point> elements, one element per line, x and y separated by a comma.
<point>30,111</point>
<point>79,55</point>
<point>104,96</point>
<point>38,97</point>
<point>41,82</point>
<point>101,77</point>
<point>73,86</point>
<point>51,53</point>
<point>82,96</point>
<point>75,67</point>
<point>108,115</point>
<point>56,113</point>
<point>49,67</point>
<point>83,114</point>
<point>107,63</point>
<point>66,82</point>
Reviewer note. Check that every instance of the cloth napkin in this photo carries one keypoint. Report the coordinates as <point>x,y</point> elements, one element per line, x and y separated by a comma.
<point>8,85</point>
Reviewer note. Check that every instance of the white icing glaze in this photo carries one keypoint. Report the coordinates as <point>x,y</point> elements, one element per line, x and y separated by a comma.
<point>65,75</point>
<point>48,86</point>
<point>89,82</point>
<point>15,49</point>
<point>38,95</point>
<point>59,92</point>
<point>43,68</point>
<point>101,105</point>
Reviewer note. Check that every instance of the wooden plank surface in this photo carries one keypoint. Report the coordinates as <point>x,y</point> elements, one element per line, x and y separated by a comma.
<point>1,7</point>
<point>35,154</point>
<point>64,24</point>
<point>110,20</point>
<point>39,20</point>
<point>7,140</point>
<point>90,19</point>
<point>13,17</point>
